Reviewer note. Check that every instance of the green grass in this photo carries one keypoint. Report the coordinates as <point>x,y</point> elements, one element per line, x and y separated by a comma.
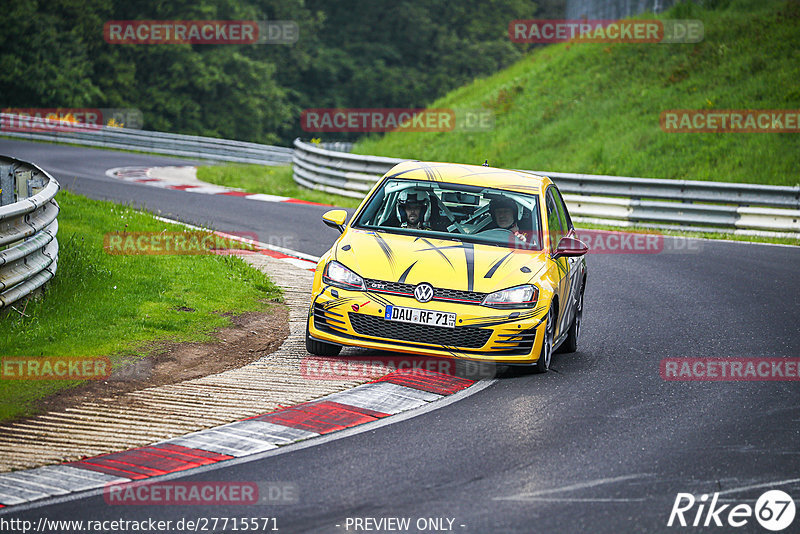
<point>113,305</point>
<point>269,180</point>
<point>594,108</point>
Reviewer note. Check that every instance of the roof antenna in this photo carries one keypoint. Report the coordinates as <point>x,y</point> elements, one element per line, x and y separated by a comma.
<point>486,163</point>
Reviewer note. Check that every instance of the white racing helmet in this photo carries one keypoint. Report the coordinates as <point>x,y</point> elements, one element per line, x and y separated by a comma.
<point>414,196</point>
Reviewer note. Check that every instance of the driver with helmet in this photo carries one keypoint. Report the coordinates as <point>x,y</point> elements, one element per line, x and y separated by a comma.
<point>414,209</point>
<point>504,215</point>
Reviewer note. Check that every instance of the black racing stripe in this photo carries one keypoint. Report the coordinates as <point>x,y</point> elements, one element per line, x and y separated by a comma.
<point>332,303</point>
<point>502,319</point>
<point>493,318</point>
<point>479,173</point>
<point>427,170</point>
<point>469,253</point>
<point>496,266</point>
<point>387,250</point>
<point>434,247</point>
<point>336,302</point>
<point>433,174</point>
<point>379,298</point>
<point>403,276</point>
<point>561,269</point>
<point>437,249</point>
<point>405,172</point>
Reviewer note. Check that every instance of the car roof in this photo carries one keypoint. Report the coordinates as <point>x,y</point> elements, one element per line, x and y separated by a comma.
<point>477,175</point>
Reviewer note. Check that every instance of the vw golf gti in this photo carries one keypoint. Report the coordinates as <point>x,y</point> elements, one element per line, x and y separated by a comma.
<point>451,260</point>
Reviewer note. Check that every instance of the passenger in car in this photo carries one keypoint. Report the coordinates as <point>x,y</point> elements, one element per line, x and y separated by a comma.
<point>504,215</point>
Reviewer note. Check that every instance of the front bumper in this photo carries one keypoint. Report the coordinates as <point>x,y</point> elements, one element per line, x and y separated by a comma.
<point>356,318</point>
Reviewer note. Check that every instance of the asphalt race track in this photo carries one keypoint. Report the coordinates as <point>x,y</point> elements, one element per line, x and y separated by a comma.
<point>601,444</point>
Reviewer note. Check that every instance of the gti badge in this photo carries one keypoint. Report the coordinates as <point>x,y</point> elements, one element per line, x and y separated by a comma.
<point>423,292</point>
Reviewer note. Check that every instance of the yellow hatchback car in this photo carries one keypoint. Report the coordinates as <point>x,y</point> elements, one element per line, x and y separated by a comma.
<point>452,260</point>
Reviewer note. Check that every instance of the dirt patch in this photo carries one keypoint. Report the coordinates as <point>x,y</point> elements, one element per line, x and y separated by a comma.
<point>252,336</point>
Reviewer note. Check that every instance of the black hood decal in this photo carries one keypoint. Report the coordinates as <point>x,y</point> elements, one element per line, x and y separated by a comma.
<point>496,266</point>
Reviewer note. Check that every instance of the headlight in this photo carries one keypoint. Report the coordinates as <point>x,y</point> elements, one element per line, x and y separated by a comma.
<point>338,275</point>
<point>513,297</point>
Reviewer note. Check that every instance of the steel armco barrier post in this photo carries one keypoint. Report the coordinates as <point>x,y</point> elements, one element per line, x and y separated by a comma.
<point>28,227</point>
<point>6,184</point>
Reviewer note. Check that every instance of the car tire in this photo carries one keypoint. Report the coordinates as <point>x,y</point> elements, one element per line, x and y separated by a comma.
<point>320,348</point>
<point>546,355</point>
<point>571,343</point>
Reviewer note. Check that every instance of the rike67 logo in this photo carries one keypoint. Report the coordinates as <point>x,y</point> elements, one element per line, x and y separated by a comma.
<point>774,510</point>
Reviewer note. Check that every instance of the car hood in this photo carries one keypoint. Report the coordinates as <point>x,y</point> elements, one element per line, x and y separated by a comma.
<point>442,263</point>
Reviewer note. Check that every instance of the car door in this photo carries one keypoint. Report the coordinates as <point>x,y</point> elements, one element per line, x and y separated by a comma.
<point>560,268</point>
<point>577,265</point>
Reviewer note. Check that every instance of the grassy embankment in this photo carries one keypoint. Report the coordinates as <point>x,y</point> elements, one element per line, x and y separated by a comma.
<point>594,108</point>
<point>117,305</point>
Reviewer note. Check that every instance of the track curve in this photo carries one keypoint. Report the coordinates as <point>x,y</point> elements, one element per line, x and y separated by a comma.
<point>601,444</point>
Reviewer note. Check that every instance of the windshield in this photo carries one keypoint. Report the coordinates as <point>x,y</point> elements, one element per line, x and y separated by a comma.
<point>453,211</point>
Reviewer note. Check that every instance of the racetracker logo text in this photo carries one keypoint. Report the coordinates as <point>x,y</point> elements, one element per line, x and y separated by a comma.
<point>200,32</point>
<point>395,120</point>
<point>320,368</point>
<point>68,119</point>
<point>606,31</point>
<point>161,243</point>
<point>730,369</point>
<point>730,121</point>
<point>200,493</point>
<point>56,368</point>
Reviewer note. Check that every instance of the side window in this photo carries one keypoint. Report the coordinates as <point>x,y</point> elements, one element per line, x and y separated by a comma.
<point>566,221</point>
<point>554,222</point>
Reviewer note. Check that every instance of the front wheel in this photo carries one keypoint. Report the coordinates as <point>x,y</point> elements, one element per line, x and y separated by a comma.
<point>320,348</point>
<point>543,364</point>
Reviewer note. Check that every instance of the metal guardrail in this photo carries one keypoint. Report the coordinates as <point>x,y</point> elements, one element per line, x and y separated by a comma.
<point>28,227</point>
<point>192,146</point>
<point>684,204</point>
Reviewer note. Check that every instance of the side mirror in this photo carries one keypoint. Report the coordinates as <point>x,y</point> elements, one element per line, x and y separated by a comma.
<point>335,219</point>
<point>570,247</point>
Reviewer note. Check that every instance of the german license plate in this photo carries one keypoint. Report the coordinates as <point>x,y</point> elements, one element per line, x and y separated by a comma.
<point>417,316</point>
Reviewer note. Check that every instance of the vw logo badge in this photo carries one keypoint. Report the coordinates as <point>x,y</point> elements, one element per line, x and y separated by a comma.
<point>423,292</point>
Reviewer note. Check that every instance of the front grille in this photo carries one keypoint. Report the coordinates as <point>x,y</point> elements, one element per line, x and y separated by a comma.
<point>439,293</point>
<point>468,337</point>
